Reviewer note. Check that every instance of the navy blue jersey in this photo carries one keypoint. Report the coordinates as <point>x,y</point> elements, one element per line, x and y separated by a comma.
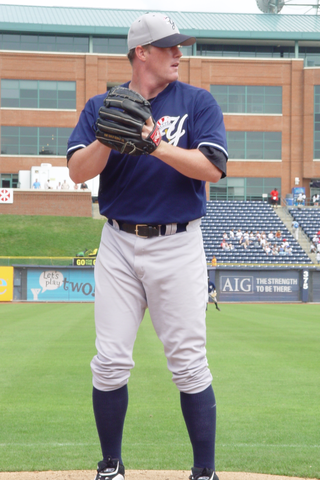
<point>144,189</point>
<point>211,286</point>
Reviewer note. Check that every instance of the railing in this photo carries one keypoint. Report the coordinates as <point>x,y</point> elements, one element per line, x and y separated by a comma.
<point>58,261</point>
<point>68,261</point>
<point>290,201</point>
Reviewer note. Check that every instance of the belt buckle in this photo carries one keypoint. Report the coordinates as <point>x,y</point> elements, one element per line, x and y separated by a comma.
<point>137,230</point>
<point>146,225</point>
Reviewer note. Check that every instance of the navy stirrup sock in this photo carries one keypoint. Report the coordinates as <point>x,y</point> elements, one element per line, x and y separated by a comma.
<point>199,411</point>
<point>110,410</point>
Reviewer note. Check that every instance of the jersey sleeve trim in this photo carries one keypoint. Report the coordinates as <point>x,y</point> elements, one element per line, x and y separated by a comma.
<point>215,145</point>
<point>76,147</point>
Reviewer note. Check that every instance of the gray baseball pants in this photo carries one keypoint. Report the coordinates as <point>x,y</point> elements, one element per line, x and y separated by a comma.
<point>166,274</point>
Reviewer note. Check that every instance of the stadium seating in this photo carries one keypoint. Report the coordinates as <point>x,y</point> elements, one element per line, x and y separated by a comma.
<point>222,216</point>
<point>308,219</point>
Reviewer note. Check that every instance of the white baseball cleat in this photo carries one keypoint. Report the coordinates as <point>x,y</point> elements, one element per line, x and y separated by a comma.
<point>203,474</point>
<point>110,469</point>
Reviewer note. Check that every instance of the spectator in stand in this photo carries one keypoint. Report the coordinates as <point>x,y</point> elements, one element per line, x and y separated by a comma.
<point>315,238</point>
<point>271,235</point>
<point>239,234</point>
<point>285,243</point>
<point>288,250</point>
<point>263,242</point>
<point>316,199</point>
<point>301,198</point>
<point>36,185</point>
<point>252,236</point>
<point>275,250</point>
<point>47,185</point>
<point>231,234</point>
<point>84,186</point>
<point>75,186</point>
<point>313,248</point>
<point>274,197</point>
<point>65,185</point>
<point>263,239</point>
<point>278,234</point>
<point>244,242</point>
<point>59,186</point>
<point>225,236</point>
<point>267,248</point>
<point>224,244</point>
<point>214,261</point>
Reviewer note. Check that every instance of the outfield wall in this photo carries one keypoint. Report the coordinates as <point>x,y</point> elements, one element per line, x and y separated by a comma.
<point>234,284</point>
<point>268,285</point>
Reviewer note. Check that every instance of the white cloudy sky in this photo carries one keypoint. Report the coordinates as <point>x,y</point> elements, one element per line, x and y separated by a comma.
<point>232,6</point>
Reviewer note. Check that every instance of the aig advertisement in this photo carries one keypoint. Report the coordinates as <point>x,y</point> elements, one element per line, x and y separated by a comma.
<point>6,284</point>
<point>263,286</point>
<point>60,285</point>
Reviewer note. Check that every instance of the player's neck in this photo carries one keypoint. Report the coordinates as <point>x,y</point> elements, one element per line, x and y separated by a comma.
<point>146,87</point>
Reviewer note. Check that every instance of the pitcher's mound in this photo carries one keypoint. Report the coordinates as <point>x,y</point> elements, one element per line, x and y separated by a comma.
<point>136,475</point>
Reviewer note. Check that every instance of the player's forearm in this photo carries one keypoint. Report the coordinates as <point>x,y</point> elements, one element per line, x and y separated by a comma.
<point>191,163</point>
<point>87,163</point>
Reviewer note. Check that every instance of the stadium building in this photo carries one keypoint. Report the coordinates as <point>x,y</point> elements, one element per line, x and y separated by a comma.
<point>263,69</point>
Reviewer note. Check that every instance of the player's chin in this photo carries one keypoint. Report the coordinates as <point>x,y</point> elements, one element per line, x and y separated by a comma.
<point>174,75</point>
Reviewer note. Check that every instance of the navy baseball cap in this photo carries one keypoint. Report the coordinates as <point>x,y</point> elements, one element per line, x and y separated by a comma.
<point>156,29</point>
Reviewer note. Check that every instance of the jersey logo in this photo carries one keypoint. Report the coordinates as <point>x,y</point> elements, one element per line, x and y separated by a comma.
<point>172,128</point>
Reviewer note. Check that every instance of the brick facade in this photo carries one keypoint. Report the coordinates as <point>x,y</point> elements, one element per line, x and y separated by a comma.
<point>93,72</point>
<point>46,202</point>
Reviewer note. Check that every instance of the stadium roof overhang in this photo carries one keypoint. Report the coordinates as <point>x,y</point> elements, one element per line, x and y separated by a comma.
<point>203,26</point>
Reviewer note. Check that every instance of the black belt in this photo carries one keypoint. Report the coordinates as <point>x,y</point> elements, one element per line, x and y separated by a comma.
<point>147,231</point>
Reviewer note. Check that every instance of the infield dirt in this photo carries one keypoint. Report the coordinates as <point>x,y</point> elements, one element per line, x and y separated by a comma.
<point>136,475</point>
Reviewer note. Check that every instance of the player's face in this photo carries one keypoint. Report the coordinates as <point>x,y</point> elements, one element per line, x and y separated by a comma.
<point>163,63</point>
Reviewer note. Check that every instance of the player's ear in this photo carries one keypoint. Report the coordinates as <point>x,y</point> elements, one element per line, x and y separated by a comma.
<point>140,53</point>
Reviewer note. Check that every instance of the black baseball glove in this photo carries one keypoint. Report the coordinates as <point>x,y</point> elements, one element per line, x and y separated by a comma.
<point>121,120</point>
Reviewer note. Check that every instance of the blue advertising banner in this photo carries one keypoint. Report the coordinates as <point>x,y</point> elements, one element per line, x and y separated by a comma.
<point>316,286</point>
<point>57,285</point>
<point>259,286</point>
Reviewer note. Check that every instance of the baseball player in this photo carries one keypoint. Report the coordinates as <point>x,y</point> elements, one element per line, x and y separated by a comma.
<point>213,293</point>
<point>152,241</point>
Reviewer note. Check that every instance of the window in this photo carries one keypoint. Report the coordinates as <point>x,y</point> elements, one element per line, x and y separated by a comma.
<point>9,180</point>
<point>311,56</point>
<point>109,45</point>
<point>254,145</point>
<point>119,45</point>
<point>316,153</point>
<point>236,50</point>
<point>243,188</point>
<point>38,94</point>
<point>186,51</point>
<point>34,140</point>
<point>248,99</point>
<point>44,43</point>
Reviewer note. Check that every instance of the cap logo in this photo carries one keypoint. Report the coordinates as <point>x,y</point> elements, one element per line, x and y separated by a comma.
<point>171,22</point>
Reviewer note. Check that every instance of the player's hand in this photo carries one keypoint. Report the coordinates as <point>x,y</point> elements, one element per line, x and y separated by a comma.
<point>147,128</point>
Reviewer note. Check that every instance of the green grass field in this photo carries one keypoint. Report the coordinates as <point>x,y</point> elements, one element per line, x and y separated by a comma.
<point>265,362</point>
<point>30,235</point>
